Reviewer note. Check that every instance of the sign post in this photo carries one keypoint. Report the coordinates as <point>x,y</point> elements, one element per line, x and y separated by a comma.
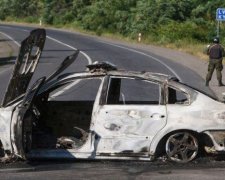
<point>220,16</point>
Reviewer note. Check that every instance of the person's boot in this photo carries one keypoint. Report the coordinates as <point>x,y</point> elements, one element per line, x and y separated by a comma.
<point>207,83</point>
<point>220,83</point>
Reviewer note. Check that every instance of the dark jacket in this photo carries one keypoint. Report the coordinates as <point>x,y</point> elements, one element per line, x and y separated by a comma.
<point>216,51</point>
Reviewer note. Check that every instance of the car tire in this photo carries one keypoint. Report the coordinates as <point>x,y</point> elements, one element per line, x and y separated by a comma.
<point>182,147</point>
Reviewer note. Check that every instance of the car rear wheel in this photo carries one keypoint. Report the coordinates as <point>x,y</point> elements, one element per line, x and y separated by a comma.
<point>182,147</point>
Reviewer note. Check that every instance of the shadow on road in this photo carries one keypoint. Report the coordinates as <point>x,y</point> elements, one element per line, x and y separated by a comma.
<point>5,40</point>
<point>7,60</point>
<point>57,50</point>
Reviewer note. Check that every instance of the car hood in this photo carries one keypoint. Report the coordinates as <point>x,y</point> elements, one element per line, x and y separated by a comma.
<point>26,63</point>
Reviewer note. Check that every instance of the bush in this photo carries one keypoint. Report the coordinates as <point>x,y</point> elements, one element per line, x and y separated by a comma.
<point>175,31</point>
<point>163,21</point>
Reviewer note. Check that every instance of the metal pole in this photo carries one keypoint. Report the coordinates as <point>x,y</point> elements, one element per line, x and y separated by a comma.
<point>139,37</point>
<point>218,29</point>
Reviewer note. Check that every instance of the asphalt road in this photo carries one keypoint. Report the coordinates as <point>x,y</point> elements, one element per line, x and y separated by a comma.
<point>204,168</point>
<point>59,44</point>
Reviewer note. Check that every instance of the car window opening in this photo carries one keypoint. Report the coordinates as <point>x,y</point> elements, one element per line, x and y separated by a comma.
<point>125,91</point>
<point>63,119</point>
<point>177,97</point>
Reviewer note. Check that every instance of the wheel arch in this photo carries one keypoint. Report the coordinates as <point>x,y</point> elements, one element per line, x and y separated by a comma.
<point>158,146</point>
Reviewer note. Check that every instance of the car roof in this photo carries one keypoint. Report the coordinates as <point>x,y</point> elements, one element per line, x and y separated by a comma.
<point>106,68</point>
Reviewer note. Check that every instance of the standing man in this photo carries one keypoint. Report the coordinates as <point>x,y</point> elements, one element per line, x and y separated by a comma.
<point>216,54</point>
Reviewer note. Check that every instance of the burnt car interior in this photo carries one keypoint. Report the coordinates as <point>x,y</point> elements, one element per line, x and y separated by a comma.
<point>177,97</point>
<point>61,119</point>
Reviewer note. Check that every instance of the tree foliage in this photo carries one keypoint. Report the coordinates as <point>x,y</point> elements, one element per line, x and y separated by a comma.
<point>161,20</point>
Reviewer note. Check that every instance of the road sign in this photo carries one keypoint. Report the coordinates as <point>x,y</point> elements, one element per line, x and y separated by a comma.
<point>220,14</point>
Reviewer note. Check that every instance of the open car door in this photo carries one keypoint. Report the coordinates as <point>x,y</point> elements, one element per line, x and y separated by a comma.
<point>26,63</point>
<point>22,116</point>
<point>22,121</point>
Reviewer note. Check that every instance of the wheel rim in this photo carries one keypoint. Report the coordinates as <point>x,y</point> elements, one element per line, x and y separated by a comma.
<point>182,147</point>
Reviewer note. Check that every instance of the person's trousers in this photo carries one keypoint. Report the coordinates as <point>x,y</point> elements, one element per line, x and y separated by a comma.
<point>214,64</point>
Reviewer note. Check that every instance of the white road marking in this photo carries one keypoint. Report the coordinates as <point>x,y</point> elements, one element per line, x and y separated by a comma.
<point>90,61</point>
<point>53,39</point>
<point>4,70</point>
<point>64,89</point>
<point>144,54</point>
<point>71,47</point>
<point>14,28</point>
<point>75,82</point>
<point>18,44</point>
<point>64,44</point>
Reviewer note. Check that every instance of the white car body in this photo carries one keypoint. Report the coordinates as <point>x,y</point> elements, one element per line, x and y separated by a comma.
<point>117,129</point>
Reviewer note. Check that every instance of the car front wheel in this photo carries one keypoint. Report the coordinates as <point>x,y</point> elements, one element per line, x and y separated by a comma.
<point>182,147</point>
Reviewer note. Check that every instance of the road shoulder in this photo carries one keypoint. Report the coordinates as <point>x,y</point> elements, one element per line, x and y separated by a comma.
<point>8,53</point>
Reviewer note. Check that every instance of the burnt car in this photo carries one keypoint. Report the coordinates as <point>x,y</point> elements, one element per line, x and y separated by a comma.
<point>104,113</point>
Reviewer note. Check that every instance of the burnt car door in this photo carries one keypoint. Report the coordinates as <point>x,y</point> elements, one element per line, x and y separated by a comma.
<point>130,117</point>
<point>22,119</point>
<point>26,63</point>
<point>25,112</point>
<point>21,126</point>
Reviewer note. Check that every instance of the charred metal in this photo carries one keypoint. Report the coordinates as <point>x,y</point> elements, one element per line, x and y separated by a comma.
<point>103,116</point>
<point>218,142</point>
<point>29,55</point>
